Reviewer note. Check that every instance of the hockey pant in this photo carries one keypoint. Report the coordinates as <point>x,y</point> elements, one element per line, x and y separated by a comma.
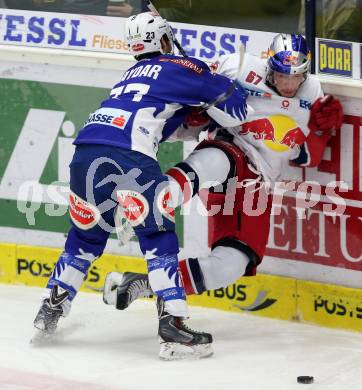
<point>239,207</point>
<point>103,178</point>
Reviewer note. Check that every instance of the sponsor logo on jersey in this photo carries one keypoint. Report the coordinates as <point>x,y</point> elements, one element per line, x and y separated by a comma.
<point>143,130</point>
<point>83,214</point>
<point>184,63</point>
<point>306,104</point>
<point>134,206</point>
<point>278,132</point>
<point>261,94</point>
<point>110,117</point>
<point>285,104</point>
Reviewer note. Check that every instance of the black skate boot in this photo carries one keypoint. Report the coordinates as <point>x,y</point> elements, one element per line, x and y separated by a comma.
<point>51,310</point>
<point>179,341</point>
<point>122,289</point>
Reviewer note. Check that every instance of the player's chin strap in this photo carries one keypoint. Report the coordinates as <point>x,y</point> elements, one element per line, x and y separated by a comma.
<point>153,9</point>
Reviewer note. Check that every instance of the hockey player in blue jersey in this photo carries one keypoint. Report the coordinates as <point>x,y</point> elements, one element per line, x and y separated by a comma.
<point>115,169</point>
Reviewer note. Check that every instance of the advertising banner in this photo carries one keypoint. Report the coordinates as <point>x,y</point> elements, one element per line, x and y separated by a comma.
<point>321,236</point>
<point>335,58</point>
<point>106,34</point>
<point>264,295</point>
<point>338,58</point>
<point>331,306</point>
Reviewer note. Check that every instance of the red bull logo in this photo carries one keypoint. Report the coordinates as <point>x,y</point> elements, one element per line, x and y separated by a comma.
<point>290,60</point>
<point>278,132</point>
<point>260,128</point>
<point>293,137</point>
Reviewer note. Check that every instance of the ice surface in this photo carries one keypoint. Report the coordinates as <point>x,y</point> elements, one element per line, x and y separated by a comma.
<point>99,348</point>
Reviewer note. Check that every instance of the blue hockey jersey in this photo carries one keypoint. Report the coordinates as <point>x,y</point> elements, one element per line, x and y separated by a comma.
<point>152,100</point>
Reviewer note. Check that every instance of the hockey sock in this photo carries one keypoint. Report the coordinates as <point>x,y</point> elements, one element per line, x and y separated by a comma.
<point>69,273</point>
<point>184,183</point>
<point>192,276</point>
<point>165,281</point>
<point>221,268</point>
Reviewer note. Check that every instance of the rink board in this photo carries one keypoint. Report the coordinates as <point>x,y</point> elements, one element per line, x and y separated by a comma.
<point>264,295</point>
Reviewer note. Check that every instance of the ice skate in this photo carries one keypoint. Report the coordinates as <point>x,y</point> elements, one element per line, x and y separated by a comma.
<point>122,289</point>
<point>51,310</point>
<point>177,340</point>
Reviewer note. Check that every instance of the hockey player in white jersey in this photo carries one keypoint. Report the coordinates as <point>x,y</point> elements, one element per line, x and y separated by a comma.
<point>290,121</point>
<point>115,166</point>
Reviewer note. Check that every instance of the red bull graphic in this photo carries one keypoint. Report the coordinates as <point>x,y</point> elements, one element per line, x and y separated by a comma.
<point>278,132</point>
<point>293,138</point>
<point>260,128</point>
<point>290,60</point>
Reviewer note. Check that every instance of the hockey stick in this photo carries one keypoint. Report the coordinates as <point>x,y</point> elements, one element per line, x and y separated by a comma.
<point>153,9</point>
<point>225,95</point>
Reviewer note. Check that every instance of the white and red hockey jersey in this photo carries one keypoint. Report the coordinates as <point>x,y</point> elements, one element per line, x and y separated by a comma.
<point>276,129</point>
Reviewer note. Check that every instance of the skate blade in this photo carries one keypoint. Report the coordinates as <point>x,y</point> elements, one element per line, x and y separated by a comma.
<point>176,351</point>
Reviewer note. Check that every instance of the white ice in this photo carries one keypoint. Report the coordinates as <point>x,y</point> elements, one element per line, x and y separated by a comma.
<point>99,348</point>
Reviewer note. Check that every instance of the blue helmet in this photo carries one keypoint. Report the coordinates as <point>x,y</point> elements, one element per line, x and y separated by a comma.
<point>289,54</point>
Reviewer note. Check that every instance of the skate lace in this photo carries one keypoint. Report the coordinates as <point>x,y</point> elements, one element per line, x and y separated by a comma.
<point>51,311</point>
<point>190,329</point>
<point>138,289</point>
<point>48,315</point>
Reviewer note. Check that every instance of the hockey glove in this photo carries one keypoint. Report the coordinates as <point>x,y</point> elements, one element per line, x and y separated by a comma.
<point>326,115</point>
<point>197,118</point>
